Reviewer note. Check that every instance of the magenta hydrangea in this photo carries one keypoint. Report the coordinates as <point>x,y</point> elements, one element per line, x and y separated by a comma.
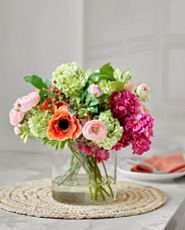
<point>139,123</point>
<point>137,132</point>
<point>123,104</point>
<point>141,144</point>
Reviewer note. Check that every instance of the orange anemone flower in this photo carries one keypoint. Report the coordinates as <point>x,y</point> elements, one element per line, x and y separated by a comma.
<point>63,125</point>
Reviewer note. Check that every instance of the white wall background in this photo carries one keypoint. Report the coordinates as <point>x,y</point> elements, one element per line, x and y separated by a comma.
<point>146,36</point>
<point>35,37</point>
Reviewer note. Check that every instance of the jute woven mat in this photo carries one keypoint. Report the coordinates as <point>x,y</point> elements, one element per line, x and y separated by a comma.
<point>33,198</point>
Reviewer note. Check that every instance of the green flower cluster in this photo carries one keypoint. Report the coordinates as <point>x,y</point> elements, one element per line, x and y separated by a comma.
<point>123,77</point>
<point>70,79</point>
<point>38,123</point>
<point>114,130</point>
<point>24,131</point>
<point>106,86</point>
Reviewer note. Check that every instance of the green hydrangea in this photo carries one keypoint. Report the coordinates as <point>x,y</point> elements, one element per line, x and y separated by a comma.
<point>123,77</point>
<point>70,79</point>
<point>114,130</point>
<point>24,131</point>
<point>38,123</point>
<point>105,86</point>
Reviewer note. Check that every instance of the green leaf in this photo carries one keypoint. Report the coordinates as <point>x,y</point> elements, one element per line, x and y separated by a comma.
<point>94,102</point>
<point>93,109</point>
<point>96,77</point>
<point>97,101</point>
<point>38,82</point>
<point>117,86</point>
<point>126,76</point>
<point>47,83</point>
<point>62,144</point>
<point>83,93</point>
<point>107,69</point>
<point>44,95</point>
<point>54,143</point>
<point>103,97</point>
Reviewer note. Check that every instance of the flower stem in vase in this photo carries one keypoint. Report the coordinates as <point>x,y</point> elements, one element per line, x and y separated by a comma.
<point>108,181</point>
<point>95,179</point>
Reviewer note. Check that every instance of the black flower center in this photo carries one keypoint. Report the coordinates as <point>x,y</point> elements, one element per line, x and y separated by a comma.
<point>63,124</point>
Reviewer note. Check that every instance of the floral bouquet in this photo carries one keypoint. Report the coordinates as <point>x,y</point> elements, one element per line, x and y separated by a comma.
<point>91,112</point>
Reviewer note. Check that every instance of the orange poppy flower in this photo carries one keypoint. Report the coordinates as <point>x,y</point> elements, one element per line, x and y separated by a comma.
<point>63,125</point>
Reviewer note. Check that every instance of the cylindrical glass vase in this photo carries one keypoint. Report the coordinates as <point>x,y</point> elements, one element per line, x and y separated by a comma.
<point>81,179</point>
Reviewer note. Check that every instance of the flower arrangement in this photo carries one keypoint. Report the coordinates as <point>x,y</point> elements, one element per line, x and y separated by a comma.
<point>92,112</point>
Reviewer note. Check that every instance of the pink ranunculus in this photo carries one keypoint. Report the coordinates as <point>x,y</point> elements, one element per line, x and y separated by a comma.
<point>29,101</point>
<point>95,130</point>
<point>15,117</point>
<point>16,130</point>
<point>143,91</point>
<point>95,90</point>
<point>129,86</point>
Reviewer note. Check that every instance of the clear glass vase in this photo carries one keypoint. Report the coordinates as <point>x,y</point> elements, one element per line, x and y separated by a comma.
<point>80,179</point>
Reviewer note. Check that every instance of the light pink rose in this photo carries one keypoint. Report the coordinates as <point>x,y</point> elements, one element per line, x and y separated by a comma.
<point>27,102</point>
<point>129,86</point>
<point>15,117</point>
<point>143,91</point>
<point>95,130</point>
<point>16,130</point>
<point>95,90</point>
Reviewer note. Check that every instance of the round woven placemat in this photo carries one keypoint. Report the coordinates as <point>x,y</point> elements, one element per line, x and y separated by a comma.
<point>34,198</point>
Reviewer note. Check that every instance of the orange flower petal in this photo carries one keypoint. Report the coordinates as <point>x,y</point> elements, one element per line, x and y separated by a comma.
<point>57,133</point>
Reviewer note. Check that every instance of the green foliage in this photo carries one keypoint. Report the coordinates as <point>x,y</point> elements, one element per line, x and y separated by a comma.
<point>54,143</point>
<point>116,86</point>
<point>123,77</point>
<point>38,82</point>
<point>126,76</point>
<point>96,77</point>
<point>44,94</point>
<point>41,84</point>
<point>107,69</point>
<point>94,102</point>
<point>24,132</point>
<point>99,100</point>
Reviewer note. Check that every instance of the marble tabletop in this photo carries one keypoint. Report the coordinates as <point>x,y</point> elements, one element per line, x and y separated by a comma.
<point>17,166</point>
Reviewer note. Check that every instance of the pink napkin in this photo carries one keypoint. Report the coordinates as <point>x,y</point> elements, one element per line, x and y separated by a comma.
<point>171,164</point>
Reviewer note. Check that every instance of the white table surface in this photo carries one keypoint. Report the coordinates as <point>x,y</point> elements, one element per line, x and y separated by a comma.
<point>16,167</point>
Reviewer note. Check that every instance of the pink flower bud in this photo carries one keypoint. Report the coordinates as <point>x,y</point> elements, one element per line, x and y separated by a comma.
<point>95,90</point>
<point>16,130</point>
<point>29,101</point>
<point>15,117</point>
